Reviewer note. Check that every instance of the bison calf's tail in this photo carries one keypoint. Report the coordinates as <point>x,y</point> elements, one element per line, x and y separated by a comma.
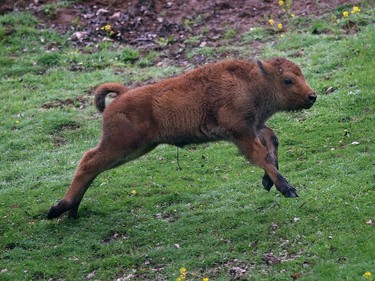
<point>103,90</point>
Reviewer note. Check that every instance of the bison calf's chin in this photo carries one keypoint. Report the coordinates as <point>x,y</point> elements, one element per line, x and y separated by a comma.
<point>229,100</point>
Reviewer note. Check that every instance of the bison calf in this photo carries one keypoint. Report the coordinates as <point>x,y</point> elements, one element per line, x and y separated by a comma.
<point>229,100</point>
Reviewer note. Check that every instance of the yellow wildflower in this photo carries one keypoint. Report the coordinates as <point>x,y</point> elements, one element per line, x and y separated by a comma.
<point>133,192</point>
<point>280,26</point>
<point>205,279</point>
<point>17,121</point>
<point>281,3</point>
<point>183,272</point>
<point>107,27</point>
<point>367,275</point>
<point>271,22</point>
<point>345,14</point>
<point>355,10</point>
<point>292,15</point>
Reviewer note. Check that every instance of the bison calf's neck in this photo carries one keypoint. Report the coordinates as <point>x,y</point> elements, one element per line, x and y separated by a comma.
<point>229,100</point>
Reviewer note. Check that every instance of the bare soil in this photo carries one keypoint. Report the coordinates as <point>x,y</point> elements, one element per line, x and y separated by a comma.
<point>164,24</point>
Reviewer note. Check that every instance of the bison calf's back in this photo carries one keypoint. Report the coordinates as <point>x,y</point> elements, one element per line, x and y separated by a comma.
<point>229,100</point>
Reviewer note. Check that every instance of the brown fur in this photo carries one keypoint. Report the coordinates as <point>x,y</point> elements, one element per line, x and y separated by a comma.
<point>229,100</point>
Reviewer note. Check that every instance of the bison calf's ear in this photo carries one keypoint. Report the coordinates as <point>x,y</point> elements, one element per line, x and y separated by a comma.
<point>262,67</point>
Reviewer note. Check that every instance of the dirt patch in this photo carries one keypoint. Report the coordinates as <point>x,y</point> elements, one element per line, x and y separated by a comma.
<point>80,102</point>
<point>58,138</point>
<point>162,25</point>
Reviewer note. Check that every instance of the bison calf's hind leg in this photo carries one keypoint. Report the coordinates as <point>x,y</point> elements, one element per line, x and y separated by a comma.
<point>254,151</point>
<point>92,163</point>
<point>105,157</point>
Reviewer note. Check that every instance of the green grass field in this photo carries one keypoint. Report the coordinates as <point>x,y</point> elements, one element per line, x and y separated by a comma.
<point>148,219</point>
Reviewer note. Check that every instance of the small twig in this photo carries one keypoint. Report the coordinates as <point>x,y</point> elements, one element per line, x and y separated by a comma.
<point>178,158</point>
<point>303,204</point>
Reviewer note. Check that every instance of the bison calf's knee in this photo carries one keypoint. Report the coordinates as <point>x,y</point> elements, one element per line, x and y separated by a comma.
<point>229,100</point>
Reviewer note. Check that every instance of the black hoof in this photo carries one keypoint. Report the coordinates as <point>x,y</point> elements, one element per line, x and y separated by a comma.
<point>267,182</point>
<point>57,210</point>
<point>290,193</point>
<point>54,212</point>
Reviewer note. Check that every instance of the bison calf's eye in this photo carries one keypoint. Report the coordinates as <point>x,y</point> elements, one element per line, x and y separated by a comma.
<point>288,81</point>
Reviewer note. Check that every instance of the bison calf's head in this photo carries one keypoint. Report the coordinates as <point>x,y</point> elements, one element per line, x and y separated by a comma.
<point>291,91</point>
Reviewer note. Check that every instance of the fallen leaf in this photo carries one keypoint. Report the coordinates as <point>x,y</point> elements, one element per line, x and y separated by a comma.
<point>128,277</point>
<point>296,219</point>
<point>274,226</point>
<point>91,275</point>
<point>297,275</point>
<point>101,11</point>
<point>271,259</point>
<point>330,90</point>
<point>80,35</point>
<point>237,271</point>
<point>203,44</point>
<point>116,15</point>
<point>177,246</point>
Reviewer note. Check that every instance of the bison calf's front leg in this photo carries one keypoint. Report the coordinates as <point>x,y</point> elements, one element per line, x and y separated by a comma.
<point>254,151</point>
<point>269,139</point>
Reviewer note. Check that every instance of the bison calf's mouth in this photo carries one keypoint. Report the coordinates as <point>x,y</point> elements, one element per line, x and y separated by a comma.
<point>229,100</point>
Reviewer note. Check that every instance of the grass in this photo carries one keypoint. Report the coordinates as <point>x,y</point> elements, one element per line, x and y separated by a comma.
<point>147,219</point>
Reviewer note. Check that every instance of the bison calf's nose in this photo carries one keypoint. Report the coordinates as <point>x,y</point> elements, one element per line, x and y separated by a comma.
<point>312,97</point>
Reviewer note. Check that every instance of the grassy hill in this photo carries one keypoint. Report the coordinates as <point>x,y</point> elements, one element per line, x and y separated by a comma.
<point>148,219</point>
